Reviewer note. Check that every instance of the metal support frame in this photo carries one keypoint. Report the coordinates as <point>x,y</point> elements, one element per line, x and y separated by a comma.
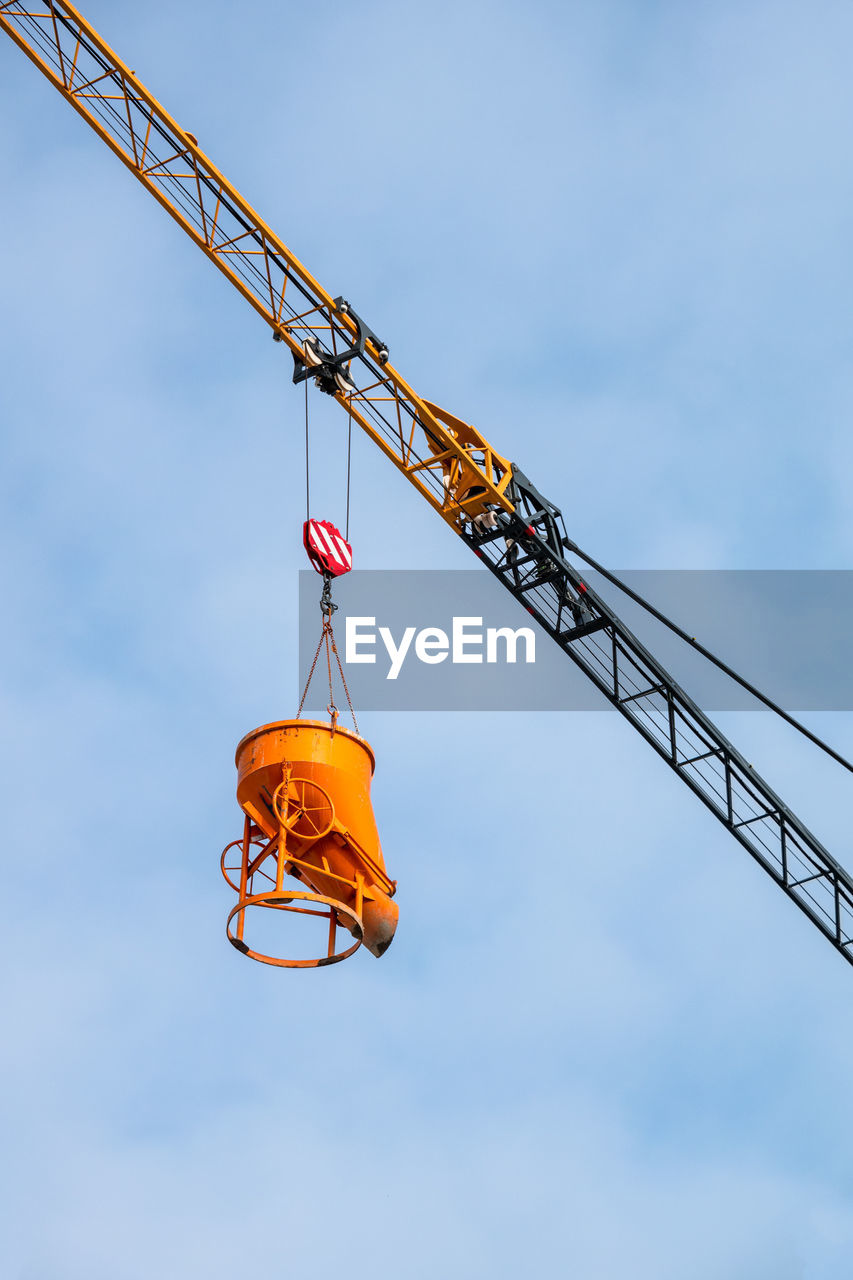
<point>305,814</point>
<point>636,684</point>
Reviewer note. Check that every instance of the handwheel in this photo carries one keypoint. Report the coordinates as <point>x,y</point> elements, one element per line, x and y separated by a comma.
<point>304,809</point>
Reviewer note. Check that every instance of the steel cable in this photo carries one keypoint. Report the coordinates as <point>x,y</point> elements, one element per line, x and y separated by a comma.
<point>711,657</point>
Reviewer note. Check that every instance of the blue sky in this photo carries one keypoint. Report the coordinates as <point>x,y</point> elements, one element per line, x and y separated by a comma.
<point>616,237</point>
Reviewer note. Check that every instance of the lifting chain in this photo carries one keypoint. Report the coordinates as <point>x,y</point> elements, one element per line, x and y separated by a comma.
<point>327,637</point>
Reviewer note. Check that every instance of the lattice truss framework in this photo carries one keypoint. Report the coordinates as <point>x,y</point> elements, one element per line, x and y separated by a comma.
<point>646,694</point>
<point>169,163</point>
<point>441,456</point>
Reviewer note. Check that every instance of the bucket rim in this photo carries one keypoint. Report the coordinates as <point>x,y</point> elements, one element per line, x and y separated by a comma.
<point>307,724</point>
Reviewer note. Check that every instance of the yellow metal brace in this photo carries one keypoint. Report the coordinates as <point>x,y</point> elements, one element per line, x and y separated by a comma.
<point>458,472</point>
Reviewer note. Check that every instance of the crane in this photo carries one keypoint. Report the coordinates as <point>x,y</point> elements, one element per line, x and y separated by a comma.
<point>516,533</point>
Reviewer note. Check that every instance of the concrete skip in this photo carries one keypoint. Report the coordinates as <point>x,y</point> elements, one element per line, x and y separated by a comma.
<point>305,792</point>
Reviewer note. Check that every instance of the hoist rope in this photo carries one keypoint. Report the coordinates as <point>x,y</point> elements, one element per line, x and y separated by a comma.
<point>349,466</point>
<point>307,460</point>
<point>327,636</point>
<point>711,657</point>
<point>308,464</point>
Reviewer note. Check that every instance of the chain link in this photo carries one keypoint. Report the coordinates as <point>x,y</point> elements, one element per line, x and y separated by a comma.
<point>327,637</point>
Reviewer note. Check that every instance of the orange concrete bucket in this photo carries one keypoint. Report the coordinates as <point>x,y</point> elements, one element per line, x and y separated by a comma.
<point>305,793</point>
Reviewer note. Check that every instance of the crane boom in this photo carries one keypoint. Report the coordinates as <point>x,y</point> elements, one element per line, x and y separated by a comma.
<point>518,534</point>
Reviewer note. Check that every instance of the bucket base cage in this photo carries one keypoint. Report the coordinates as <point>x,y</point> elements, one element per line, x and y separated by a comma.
<point>256,868</point>
<point>285,900</point>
